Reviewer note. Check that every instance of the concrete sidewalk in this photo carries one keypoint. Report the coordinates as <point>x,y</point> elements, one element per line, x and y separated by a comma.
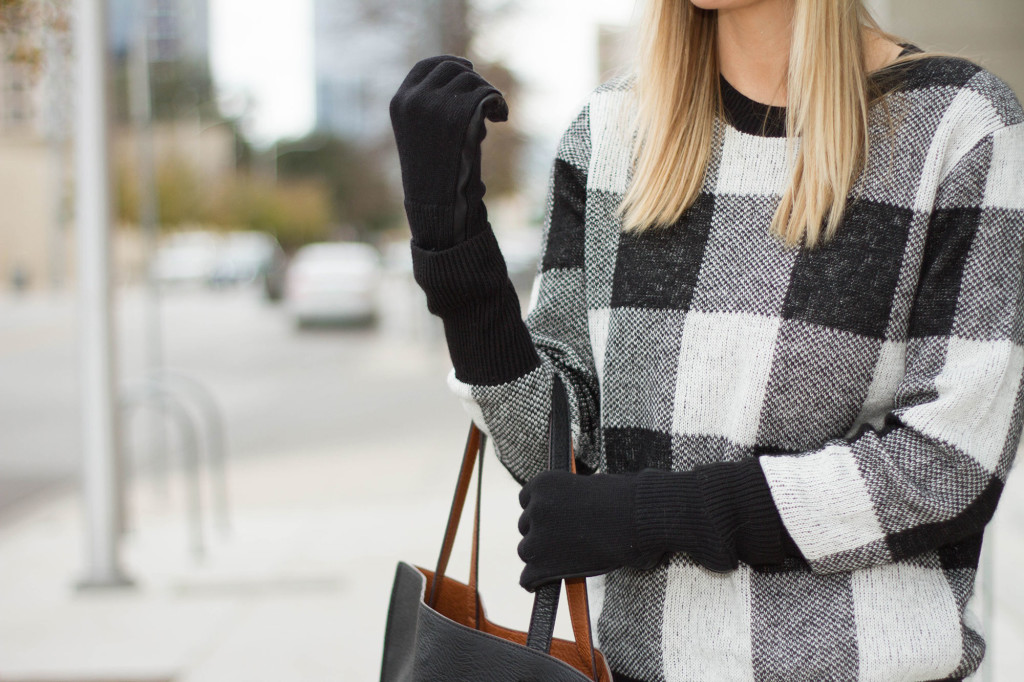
<point>299,589</point>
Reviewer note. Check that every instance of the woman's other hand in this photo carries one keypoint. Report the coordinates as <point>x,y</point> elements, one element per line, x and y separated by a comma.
<point>576,526</point>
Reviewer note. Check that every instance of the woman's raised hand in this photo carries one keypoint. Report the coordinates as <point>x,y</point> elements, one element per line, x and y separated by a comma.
<point>438,117</point>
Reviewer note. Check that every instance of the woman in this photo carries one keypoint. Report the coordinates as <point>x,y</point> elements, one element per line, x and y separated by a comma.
<point>782,282</point>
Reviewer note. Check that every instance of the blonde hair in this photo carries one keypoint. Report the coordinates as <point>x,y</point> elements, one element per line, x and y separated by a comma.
<point>677,94</point>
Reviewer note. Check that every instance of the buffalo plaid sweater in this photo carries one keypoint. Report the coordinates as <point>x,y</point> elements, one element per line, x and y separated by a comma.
<point>877,380</point>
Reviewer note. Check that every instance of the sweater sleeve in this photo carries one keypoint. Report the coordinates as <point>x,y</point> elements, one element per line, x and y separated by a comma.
<point>929,476</point>
<point>503,366</point>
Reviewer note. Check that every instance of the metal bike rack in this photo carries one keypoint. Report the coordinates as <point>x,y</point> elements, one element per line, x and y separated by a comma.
<point>166,391</point>
<point>216,447</point>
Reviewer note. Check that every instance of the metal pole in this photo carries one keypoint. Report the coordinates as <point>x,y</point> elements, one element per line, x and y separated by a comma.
<point>142,115</point>
<point>101,489</point>
<point>57,122</point>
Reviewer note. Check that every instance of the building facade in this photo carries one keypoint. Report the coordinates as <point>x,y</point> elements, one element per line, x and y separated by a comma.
<point>362,51</point>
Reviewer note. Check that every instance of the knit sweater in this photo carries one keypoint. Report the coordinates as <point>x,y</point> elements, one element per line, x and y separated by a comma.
<point>876,379</point>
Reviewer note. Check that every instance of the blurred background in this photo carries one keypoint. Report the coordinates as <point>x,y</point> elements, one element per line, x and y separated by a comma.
<point>269,430</point>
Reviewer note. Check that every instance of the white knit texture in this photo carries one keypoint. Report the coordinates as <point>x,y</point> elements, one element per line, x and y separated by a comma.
<point>879,380</point>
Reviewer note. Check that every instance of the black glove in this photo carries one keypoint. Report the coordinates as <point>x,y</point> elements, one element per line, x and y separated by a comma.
<point>577,526</point>
<point>438,119</point>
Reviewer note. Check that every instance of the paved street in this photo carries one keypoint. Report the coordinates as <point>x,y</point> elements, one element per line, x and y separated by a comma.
<point>344,446</point>
<point>280,389</point>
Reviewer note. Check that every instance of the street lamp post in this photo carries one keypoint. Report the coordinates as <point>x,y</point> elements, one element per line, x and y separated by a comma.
<point>101,465</point>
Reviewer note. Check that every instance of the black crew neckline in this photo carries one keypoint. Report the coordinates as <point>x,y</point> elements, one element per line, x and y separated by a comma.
<point>765,120</point>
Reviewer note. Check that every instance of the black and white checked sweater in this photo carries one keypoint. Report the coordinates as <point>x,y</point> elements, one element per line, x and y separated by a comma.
<point>877,379</point>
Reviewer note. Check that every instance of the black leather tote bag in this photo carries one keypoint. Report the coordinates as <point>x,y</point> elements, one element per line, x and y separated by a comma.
<point>437,630</point>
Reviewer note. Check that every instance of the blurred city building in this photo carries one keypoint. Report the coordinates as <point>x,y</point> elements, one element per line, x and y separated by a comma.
<point>36,247</point>
<point>179,30</point>
<point>361,53</point>
<point>35,121</point>
<point>363,50</point>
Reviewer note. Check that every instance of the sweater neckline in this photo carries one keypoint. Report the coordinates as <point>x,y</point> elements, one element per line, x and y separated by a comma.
<point>765,120</point>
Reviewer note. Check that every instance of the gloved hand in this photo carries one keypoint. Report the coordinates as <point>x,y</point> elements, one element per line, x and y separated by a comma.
<point>438,117</point>
<point>577,526</point>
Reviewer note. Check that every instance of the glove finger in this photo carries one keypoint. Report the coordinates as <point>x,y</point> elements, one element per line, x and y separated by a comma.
<point>443,75</point>
<point>424,66</point>
<point>523,550</point>
<point>533,577</point>
<point>524,523</point>
<point>715,563</point>
<point>473,83</point>
<point>495,107</point>
<point>524,494</point>
<point>527,579</point>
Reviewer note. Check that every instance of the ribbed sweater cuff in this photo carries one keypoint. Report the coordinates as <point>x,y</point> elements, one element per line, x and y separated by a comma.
<point>716,510</point>
<point>467,286</point>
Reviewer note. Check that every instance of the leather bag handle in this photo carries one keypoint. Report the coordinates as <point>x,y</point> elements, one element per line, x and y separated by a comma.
<point>545,605</point>
<point>561,457</point>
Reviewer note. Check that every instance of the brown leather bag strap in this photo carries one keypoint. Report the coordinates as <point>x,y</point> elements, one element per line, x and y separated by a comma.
<point>474,443</point>
<point>474,561</point>
<point>576,589</point>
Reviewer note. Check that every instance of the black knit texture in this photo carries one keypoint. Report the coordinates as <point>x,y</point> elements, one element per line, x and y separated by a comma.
<point>438,130</point>
<point>433,225</point>
<point>576,526</point>
<point>468,287</point>
<point>717,513</point>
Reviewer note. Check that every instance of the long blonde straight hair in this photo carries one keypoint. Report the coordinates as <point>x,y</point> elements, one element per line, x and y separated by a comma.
<point>677,95</point>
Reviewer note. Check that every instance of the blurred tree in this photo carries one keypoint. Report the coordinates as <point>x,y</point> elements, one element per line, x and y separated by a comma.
<point>456,22</point>
<point>359,191</point>
<point>295,212</point>
<point>180,193</point>
<point>454,27</point>
<point>24,24</point>
<point>438,27</point>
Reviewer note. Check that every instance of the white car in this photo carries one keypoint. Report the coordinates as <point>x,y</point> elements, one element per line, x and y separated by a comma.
<point>187,258</point>
<point>244,258</point>
<point>335,281</point>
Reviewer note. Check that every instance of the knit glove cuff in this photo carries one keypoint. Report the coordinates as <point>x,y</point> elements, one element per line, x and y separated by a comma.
<point>718,513</point>
<point>467,286</point>
<point>671,516</point>
<point>465,275</point>
<point>433,226</point>
<point>740,504</point>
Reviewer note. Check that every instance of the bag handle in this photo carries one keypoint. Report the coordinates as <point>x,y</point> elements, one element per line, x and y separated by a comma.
<point>474,447</point>
<point>561,457</point>
<point>545,605</point>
